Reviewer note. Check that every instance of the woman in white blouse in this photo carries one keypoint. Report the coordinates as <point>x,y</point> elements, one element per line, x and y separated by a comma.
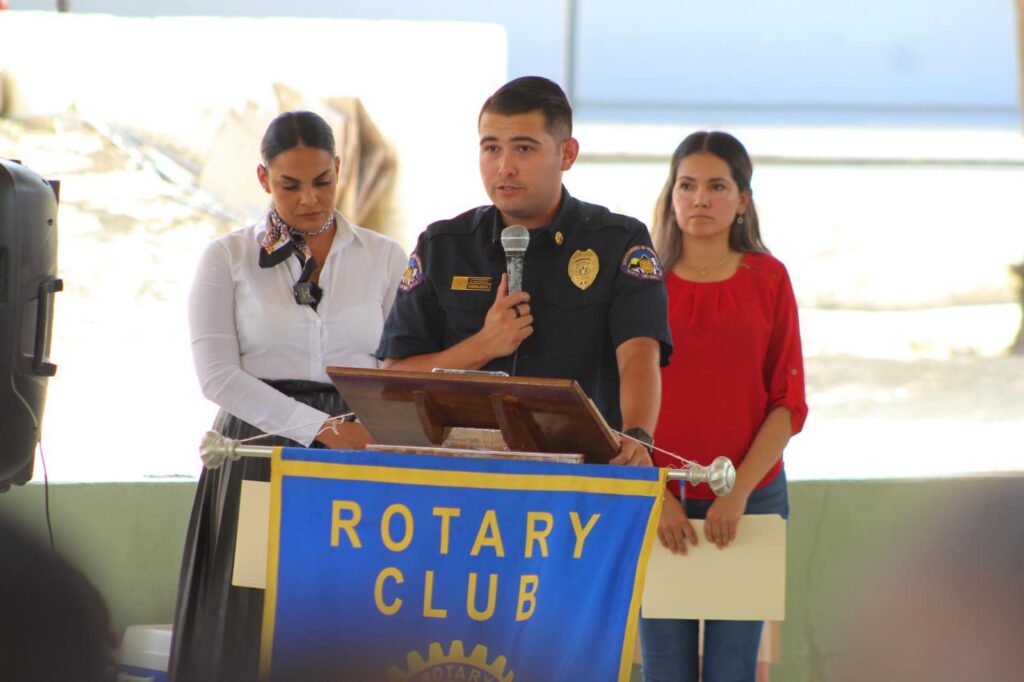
<point>271,306</point>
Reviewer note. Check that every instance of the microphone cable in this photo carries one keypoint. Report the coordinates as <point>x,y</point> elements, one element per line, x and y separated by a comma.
<point>46,496</point>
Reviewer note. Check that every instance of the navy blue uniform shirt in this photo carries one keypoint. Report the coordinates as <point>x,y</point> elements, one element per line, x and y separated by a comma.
<point>618,294</point>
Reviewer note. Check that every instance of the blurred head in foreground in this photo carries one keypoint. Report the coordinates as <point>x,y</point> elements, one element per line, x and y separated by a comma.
<point>55,625</point>
<point>950,605</point>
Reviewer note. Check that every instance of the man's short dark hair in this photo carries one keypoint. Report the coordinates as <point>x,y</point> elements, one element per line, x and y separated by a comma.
<point>533,93</point>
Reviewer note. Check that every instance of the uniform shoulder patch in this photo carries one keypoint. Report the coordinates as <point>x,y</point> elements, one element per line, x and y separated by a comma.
<point>640,262</point>
<point>413,276</point>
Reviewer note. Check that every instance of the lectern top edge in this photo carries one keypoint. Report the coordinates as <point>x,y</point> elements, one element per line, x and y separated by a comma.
<point>474,377</point>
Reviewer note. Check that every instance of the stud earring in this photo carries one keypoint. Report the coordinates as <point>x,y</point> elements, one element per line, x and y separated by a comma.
<point>739,220</point>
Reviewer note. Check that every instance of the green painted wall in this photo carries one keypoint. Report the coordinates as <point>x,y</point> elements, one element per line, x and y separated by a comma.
<point>128,537</point>
<point>840,532</point>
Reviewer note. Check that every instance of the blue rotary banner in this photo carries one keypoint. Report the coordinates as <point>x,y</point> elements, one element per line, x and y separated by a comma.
<point>414,568</point>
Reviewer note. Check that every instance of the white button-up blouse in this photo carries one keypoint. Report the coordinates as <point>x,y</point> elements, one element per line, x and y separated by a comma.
<point>245,324</point>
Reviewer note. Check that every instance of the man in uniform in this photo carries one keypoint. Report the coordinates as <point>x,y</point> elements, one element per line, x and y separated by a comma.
<point>593,305</point>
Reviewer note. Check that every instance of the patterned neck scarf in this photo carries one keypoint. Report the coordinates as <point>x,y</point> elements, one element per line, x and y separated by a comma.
<point>282,241</point>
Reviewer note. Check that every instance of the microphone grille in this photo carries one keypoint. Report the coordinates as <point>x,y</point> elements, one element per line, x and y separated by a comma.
<point>515,239</point>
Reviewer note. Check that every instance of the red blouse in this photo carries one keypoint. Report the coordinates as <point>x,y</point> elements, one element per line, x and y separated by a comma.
<point>737,357</point>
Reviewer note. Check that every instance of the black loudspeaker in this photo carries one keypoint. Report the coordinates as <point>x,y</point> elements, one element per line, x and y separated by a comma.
<point>28,282</point>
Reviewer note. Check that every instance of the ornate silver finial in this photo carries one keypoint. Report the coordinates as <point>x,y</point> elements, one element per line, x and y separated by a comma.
<point>216,449</point>
<point>720,475</point>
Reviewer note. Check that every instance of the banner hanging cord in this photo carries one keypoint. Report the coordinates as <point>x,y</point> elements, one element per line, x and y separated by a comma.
<point>685,461</point>
<point>330,424</point>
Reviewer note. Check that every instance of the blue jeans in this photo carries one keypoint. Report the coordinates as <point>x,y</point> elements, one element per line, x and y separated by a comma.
<point>730,646</point>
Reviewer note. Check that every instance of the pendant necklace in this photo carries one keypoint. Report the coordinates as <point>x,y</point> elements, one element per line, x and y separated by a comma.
<point>703,269</point>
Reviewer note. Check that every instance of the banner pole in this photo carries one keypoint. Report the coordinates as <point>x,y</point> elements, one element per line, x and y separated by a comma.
<point>216,449</point>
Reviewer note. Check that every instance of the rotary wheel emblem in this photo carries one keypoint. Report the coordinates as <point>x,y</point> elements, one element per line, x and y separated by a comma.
<point>453,665</point>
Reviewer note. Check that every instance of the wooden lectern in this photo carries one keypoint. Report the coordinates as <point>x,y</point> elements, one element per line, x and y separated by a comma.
<point>429,412</point>
<point>418,412</point>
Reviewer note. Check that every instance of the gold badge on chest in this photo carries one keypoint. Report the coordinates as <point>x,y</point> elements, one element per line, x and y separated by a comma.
<point>583,268</point>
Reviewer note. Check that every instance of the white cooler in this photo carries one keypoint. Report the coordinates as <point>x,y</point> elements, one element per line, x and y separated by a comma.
<point>145,651</point>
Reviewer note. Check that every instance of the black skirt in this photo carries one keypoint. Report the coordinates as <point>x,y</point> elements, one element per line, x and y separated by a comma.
<point>217,626</point>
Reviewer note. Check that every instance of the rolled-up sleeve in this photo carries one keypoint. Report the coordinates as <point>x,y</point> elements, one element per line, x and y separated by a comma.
<point>784,367</point>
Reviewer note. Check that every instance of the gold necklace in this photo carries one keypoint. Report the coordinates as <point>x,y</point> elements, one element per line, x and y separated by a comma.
<point>703,269</point>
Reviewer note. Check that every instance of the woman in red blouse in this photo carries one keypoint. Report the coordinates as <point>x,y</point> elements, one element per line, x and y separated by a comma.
<point>735,386</point>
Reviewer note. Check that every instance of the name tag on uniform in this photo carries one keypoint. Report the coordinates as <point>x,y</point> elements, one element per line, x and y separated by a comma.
<point>466,283</point>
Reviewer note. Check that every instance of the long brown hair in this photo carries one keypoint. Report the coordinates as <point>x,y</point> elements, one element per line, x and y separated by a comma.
<point>744,237</point>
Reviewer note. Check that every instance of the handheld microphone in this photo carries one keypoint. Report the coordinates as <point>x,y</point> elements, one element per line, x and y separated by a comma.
<point>515,239</point>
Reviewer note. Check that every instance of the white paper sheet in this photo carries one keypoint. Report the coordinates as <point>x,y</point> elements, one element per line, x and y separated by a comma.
<point>250,569</point>
<point>744,581</point>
